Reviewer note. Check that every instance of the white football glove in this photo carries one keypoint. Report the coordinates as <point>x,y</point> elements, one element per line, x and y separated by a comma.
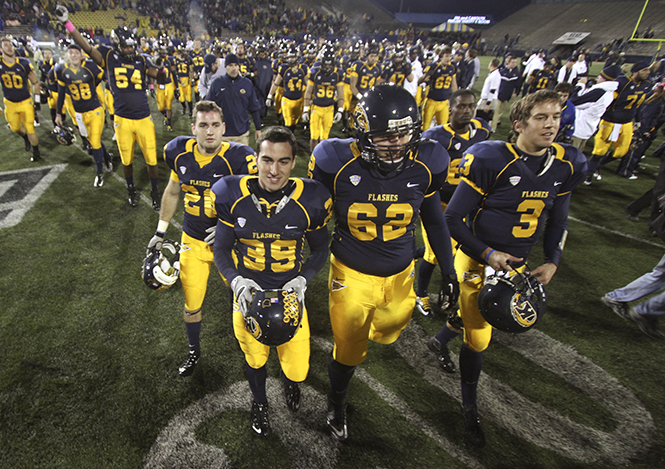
<point>61,13</point>
<point>305,115</point>
<point>299,286</point>
<point>210,239</point>
<point>337,118</point>
<point>243,288</point>
<point>269,101</point>
<point>156,241</point>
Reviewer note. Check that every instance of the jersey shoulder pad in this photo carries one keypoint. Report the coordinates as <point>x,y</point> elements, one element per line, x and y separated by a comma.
<point>227,189</point>
<point>572,155</point>
<point>25,63</point>
<point>237,155</point>
<point>332,154</point>
<point>481,123</point>
<point>440,134</point>
<point>316,200</point>
<point>176,147</point>
<point>433,155</point>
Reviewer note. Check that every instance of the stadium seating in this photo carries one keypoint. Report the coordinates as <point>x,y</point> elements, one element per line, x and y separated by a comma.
<point>107,20</point>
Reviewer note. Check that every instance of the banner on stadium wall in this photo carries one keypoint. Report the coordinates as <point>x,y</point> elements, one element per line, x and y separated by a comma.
<point>451,28</point>
<point>570,39</point>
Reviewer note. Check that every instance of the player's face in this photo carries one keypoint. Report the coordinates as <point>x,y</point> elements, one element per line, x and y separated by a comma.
<point>564,96</point>
<point>372,58</point>
<point>512,63</point>
<point>240,49</point>
<point>208,129</point>
<point>8,48</point>
<point>197,44</point>
<point>233,70</point>
<point>445,58</point>
<point>539,130</point>
<point>389,146</point>
<point>48,55</point>
<point>462,110</point>
<point>75,57</point>
<point>275,163</point>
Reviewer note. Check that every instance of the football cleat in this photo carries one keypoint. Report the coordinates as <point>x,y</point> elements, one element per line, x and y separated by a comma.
<point>336,421</point>
<point>156,199</point>
<point>647,324</point>
<point>473,432</point>
<point>169,128</point>
<point>631,216</point>
<point>187,368</point>
<point>619,307</point>
<point>133,196</point>
<point>442,355</point>
<point>292,395</point>
<point>28,145</point>
<point>423,306</point>
<point>99,180</point>
<point>260,421</point>
<point>36,156</point>
<point>108,162</point>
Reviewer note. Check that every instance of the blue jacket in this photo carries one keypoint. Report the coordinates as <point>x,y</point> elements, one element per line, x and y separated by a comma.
<point>237,99</point>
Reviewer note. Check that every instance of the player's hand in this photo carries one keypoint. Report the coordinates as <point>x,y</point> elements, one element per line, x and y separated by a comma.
<point>299,286</point>
<point>269,101</point>
<point>501,261</point>
<point>210,239</point>
<point>58,120</point>
<point>337,118</point>
<point>449,291</point>
<point>156,241</point>
<point>305,115</point>
<point>544,273</point>
<point>61,13</point>
<point>243,289</point>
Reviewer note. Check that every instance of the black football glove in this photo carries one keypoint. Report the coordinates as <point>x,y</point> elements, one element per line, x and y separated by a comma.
<point>449,291</point>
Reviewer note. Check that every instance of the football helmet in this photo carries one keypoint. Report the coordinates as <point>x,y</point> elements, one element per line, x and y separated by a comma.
<point>122,39</point>
<point>512,302</point>
<point>291,57</point>
<point>64,135</point>
<point>328,62</point>
<point>274,316</point>
<point>161,267</point>
<point>387,110</point>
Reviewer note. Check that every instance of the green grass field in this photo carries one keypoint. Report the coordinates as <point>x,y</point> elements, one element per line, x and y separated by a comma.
<point>89,355</point>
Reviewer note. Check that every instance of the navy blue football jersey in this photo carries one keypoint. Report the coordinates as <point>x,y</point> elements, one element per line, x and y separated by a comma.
<point>197,174</point>
<point>15,83</point>
<point>515,199</point>
<point>80,84</point>
<point>127,81</point>
<point>375,216</point>
<point>269,249</point>
<point>457,144</point>
<point>628,97</point>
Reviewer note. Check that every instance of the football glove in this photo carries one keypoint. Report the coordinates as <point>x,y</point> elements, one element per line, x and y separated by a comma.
<point>269,101</point>
<point>38,106</point>
<point>156,241</point>
<point>305,115</point>
<point>337,118</point>
<point>61,13</point>
<point>449,291</point>
<point>242,289</point>
<point>299,286</point>
<point>210,239</point>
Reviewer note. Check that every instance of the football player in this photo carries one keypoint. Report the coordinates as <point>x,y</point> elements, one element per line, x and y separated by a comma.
<point>441,82</point>
<point>292,76</point>
<point>166,90</point>
<point>542,79</point>
<point>184,73</point>
<point>399,69</point>
<point>196,163</point>
<point>364,75</point>
<point>509,194</point>
<point>380,181</point>
<point>324,88</point>
<point>615,132</point>
<point>128,75</point>
<point>463,131</point>
<point>263,223</point>
<point>79,78</point>
<point>197,55</point>
<point>17,74</point>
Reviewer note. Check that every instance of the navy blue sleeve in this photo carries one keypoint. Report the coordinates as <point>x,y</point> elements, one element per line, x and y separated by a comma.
<point>464,200</point>
<point>557,222</point>
<point>225,239</point>
<point>318,247</point>
<point>437,232</point>
<point>590,97</point>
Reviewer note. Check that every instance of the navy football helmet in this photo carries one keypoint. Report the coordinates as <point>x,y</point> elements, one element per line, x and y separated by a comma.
<point>161,267</point>
<point>64,135</point>
<point>328,62</point>
<point>387,110</point>
<point>122,39</point>
<point>512,303</point>
<point>274,316</point>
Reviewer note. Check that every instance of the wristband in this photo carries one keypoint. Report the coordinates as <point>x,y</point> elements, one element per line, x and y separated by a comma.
<point>162,226</point>
<point>38,99</point>
<point>487,258</point>
<point>340,109</point>
<point>69,26</point>
<point>305,109</point>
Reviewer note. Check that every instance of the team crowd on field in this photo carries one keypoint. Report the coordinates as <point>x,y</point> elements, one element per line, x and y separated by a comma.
<point>419,147</point>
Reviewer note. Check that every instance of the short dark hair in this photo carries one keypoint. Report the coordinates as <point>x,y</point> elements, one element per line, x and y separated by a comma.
<point>278,134</point>
<point>207,106</point>
<point>460,93</point>
<point>564,87</point>
<point>521,110</point>
<point>495,63</point>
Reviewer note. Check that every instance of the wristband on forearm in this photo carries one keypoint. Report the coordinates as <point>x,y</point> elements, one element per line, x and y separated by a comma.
<point>69,26</point>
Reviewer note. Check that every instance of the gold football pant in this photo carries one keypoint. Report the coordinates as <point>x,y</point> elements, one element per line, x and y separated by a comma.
<point>438,109</point>
<point>130,131</point>
<point>20,114</point>
<point>602,143</point>
<point>94,124</point>
<point>185,90</point>
<point>366,307</point>
<point>196,257</point>
<point>321,121</point>
<point>164,96</point>
<point>293,355</point>
<point>291,110</point>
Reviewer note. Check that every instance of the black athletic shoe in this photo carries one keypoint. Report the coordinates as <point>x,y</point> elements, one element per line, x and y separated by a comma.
<point>133,196</point>
<point>619,307</point>
<point>473,432</point>
<point>292,395</point>
<point>336,421</point>
<point>36,156</point>
<point>28,146</point>
<point>442,355</point>
<point>108,162</point>
<point>156,199</point>
<point>99,180</point>
<point>187,368</point>
<point>260,421</point>
<point>647,324</point>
